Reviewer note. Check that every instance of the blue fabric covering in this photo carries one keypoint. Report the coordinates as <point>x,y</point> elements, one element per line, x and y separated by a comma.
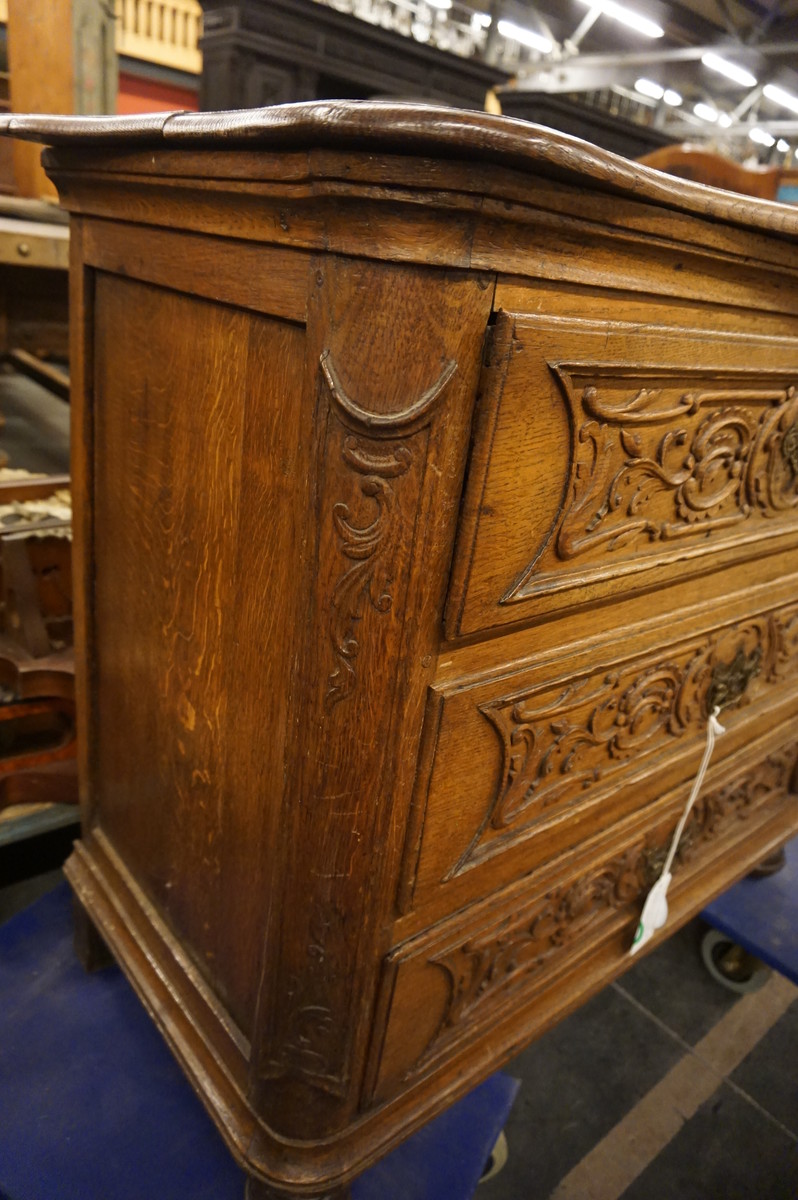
<point>94,1107</point>
<point>761,915</point>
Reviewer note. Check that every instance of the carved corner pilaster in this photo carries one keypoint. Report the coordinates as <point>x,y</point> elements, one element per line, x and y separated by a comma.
<point>377,458</point>
<point>393,357</point>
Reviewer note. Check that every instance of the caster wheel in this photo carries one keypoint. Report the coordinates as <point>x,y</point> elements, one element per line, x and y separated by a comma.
<point>770,866</point>
<point>730,965</point>
<point>496,1160</point>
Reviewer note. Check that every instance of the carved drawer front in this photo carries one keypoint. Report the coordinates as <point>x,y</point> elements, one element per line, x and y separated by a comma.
<point>523,954</point>
<point>521,767</point>
<point>608,458</point>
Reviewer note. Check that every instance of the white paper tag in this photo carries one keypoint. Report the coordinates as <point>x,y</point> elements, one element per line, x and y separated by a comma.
<point>654,914</point>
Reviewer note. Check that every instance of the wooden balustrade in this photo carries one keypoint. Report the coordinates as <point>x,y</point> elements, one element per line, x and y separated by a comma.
<point>159,31</point>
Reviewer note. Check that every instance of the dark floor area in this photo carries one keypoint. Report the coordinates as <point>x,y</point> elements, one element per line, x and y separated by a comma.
<point>587,1112</point>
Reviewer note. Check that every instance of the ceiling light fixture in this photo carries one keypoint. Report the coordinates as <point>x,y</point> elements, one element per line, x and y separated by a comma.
<point>647,87</point>
<point>706,112</point>
<point>761,137</point>
<point>779,96</point>
<point>527,37</point>
<point>782,146</point>
<point>725,120</point>
<point>729,69</point>
<point>672,98</point>
<point>626,16</point>
<point>480,20</point>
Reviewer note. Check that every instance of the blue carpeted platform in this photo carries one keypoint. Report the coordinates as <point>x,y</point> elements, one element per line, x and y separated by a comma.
<point>94,1107</point>
<point>761,915</point>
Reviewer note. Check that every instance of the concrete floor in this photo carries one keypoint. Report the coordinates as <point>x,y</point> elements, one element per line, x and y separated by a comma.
<point>663,1087</point>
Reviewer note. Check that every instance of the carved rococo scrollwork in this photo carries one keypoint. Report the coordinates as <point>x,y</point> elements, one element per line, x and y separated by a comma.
<point>481,966</point>
<point>557,744</point>
<point>485,971</point>
<point>309,1040</point>
<point>789,447</point>
<point>727,453</point>
<point>712,813</point>
<point>367,546</point>
<point>376,453</point>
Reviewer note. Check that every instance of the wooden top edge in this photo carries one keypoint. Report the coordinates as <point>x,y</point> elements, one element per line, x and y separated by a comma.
<point>408,128</point>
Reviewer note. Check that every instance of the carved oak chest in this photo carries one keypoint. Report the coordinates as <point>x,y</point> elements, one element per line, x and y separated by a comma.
<point>437,474</point>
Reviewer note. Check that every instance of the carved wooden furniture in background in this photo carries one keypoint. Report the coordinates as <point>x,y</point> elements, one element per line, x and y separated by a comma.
<point>61,59</point>
<point>276,51</point>
<point>168,36</point>
<point>34,294</point>
<point>7,183</point>
<point>573,115</point>
<point>37,708</point>
<point>435,475</point>
<point>704,166</point>
<point>34,260</point>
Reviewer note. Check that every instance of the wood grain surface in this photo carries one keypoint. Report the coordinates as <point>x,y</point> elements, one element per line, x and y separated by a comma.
<point>437,475</point>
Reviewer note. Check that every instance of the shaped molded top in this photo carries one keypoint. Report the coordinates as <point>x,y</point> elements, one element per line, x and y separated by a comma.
<point>409,129</point>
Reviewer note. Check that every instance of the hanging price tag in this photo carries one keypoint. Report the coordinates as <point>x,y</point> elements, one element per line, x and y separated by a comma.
<point>655,909</point>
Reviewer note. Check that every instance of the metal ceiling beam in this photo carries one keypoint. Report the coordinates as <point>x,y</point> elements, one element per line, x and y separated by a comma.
<point>590,72</point>
<point>682,129</point>
<point>747,102</point>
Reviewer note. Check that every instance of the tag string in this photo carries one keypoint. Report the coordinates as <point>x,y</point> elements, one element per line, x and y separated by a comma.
<point>714,730</point>
<point>655,910</point>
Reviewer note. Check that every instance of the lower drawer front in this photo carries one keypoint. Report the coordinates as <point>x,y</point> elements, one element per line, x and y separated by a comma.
<point>526,765</point>
<point>525,949</point>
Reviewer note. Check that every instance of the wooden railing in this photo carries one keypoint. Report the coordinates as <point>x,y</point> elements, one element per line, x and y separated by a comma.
<point>160,31</point>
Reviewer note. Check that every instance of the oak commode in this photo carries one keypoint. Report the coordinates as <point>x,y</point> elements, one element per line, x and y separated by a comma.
<point>435,474</point>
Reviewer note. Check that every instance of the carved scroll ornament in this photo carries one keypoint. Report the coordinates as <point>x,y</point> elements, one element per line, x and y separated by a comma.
<point>789,447</point>
<point>369,525</point>
<point>655,462</point>
<point>367,546</point>
<point>724,455</point>
<point>485,972</point>
<point>557,744</point>
<point>308,1041</point>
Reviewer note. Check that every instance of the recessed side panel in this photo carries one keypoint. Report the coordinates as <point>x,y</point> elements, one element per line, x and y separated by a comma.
<point>197,415</point>
<point>611,457</point>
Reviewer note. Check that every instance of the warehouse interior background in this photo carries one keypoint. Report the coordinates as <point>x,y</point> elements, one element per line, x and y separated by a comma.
<point>666,1086</point>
